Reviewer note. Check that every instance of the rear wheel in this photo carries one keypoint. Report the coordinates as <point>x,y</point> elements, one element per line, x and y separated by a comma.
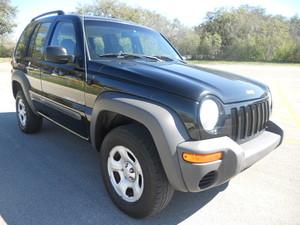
<point>132,172</point>
<point>27,120</point>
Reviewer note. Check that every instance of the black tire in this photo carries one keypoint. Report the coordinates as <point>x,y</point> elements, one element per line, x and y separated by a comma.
<point>157,191</point>
<point>32,122</point>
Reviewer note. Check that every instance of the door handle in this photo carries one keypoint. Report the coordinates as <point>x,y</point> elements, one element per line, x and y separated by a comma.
<point>57,72</point>
<point>30,68</point>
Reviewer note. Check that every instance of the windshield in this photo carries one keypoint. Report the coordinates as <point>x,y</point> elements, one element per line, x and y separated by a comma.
<point>108,38</point>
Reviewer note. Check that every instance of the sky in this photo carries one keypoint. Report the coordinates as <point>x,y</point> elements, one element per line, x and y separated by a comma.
<point>189,12</point>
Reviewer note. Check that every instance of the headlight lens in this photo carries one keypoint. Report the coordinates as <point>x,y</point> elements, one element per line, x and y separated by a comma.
<point>270,99</point>
<point>270,102</point>
<point>209,114</point>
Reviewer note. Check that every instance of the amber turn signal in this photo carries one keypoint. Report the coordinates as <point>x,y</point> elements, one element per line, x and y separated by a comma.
<point>201,158</point>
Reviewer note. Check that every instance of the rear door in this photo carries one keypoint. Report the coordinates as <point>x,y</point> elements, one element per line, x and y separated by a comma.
<point>35,55</point>
<point>63,84</point>
<point>20,59</point>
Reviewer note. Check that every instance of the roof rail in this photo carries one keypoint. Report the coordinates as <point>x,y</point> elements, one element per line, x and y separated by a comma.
<point>58,12</point>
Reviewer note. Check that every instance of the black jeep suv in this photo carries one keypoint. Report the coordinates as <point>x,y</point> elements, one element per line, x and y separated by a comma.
<point>160,124</point>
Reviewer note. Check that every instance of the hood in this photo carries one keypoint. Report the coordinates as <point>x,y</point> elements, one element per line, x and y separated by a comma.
<point>186,80</point>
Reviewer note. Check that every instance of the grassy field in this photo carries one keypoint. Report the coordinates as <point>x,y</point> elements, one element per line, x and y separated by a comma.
<point>5,60</point>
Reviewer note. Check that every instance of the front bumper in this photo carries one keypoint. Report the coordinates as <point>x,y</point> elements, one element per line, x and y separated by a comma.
<point>236,158</point>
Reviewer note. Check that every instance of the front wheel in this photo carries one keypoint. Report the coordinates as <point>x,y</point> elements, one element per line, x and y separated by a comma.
<point>132,172</point>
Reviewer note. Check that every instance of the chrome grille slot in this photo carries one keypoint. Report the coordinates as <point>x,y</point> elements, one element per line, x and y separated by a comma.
<point>248,120</point>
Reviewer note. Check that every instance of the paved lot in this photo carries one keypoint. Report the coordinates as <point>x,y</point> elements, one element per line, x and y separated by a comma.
<point>53,177</point>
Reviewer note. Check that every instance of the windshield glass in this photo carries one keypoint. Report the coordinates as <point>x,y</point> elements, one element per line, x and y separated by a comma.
<point>104,38</point>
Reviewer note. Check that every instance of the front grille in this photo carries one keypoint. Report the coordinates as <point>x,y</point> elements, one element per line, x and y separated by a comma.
<point>249,120</point>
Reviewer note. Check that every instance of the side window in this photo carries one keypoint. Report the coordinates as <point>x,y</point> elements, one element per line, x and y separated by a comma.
<point>64,36</point>
<point>23,42</point>
<point>32,40</point>
<point>38,40</point>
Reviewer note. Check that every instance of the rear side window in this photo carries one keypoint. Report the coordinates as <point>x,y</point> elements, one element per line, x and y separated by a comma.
<point>23,42</point>
<point>64,36</point>
<point>38,41</point>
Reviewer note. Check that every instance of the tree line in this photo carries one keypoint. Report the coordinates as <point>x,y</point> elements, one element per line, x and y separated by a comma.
<point>245,33</point>
<point>248,33</point>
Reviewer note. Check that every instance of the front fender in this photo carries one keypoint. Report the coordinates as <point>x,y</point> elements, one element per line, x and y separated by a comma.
<point>164,125</point>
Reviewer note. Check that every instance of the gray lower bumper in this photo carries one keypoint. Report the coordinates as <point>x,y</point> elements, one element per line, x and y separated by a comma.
<point>235,159</point>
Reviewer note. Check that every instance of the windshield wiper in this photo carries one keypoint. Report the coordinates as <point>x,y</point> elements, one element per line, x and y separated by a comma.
<point>164,58</point>
<point>168,59</point>
<point>123,55</point>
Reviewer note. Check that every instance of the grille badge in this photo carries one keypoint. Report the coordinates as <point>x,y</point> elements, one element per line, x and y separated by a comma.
<point>250,92</point>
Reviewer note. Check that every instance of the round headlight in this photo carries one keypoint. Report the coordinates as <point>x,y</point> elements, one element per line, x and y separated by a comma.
<point>209,114</point>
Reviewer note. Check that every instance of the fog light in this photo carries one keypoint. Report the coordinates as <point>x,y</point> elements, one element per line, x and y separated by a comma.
<point>201,158</point>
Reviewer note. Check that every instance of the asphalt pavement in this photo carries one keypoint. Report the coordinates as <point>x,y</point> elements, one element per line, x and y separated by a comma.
<point>53,177</point>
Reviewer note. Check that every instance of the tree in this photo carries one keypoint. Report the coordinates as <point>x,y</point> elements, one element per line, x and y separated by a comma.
<point>294,27</point>
<point>244,33</point>
<point>7,14</point>
<point>210,46</point>
<point>248,33</point>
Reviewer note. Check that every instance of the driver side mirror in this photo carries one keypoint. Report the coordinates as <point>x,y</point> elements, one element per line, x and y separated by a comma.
<point>57,54</point>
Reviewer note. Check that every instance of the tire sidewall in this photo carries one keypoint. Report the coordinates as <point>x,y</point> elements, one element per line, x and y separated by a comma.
<point>142,206</point>
<point>18,98</point>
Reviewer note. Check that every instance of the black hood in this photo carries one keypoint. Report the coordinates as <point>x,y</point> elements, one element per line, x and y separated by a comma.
<point>186,80</point>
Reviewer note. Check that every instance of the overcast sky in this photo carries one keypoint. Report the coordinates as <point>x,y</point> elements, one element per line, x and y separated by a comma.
<point>189,12</point>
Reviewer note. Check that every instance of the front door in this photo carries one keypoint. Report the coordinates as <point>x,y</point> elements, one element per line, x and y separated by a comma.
<point>63,84</point>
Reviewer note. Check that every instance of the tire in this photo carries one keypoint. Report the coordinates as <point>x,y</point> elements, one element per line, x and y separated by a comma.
<point>27,120</point>
<point>151,191</point>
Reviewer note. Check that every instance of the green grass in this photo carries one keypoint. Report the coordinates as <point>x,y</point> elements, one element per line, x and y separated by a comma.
<point>2,60</point>
<point>214,62</point>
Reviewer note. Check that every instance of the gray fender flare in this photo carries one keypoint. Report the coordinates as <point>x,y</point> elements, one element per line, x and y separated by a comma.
<point>21,78</point>
<point>164,125</point>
